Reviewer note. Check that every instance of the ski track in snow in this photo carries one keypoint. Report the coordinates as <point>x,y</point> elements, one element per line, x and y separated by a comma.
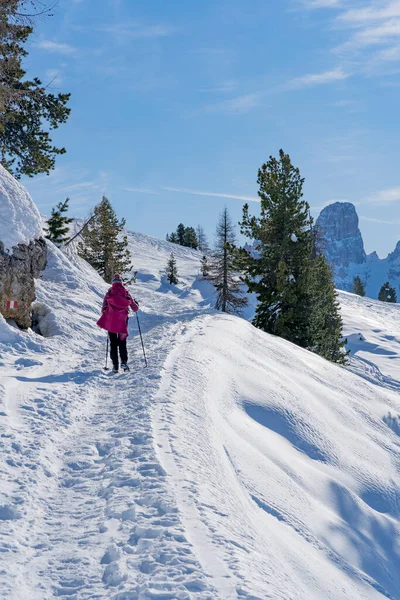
<point>221,472</point>
<point>100,517</point>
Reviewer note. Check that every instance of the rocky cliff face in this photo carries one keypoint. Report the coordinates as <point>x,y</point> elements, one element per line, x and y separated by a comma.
<point>17,273</point>
<point>23,252</point>
<point>343,246</point>
<point>342,240</point>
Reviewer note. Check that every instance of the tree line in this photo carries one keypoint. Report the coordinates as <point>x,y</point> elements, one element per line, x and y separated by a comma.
<point>189,237</point>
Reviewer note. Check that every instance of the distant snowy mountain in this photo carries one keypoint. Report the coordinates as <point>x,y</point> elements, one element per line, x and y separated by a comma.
<point>343,247</point>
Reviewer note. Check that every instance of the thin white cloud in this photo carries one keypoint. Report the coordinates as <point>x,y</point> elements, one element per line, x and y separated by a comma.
<point>372,29</point>
<point>140,191</point>
<point>78,186</point>
<point>371,13</point>
<point>372,220</point>
<point>388,196</point>
<point>56,47</point>
<point>322,3</point>
<point>211,194</point>
<point>237,105</point>
<point>137,31</point>
<point>381,34</point>
<point>326,77</point>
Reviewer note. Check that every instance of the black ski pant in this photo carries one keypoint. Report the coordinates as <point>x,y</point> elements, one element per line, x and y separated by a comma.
<point>117,344</point>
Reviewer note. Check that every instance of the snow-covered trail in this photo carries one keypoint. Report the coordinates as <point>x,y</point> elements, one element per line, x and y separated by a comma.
<point>101,517</point>
<point>85,507</point>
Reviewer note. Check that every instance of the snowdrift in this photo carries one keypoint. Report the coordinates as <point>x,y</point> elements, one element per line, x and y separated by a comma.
<point>20,220</point>
<point>287,463</point>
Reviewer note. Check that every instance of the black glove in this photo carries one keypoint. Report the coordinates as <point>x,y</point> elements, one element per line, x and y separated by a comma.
<point>136,301</point>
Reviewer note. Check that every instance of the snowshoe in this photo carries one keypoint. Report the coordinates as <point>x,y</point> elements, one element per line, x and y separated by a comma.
<point>124,367</point>
<point>114,370</point>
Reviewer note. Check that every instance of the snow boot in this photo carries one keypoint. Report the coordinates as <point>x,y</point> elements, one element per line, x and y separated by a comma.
<point>115,369</point>
<point>124,367</point>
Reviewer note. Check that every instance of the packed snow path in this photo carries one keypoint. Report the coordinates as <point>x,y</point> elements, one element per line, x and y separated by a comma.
<point>100,514</point>
<point>236,466</point>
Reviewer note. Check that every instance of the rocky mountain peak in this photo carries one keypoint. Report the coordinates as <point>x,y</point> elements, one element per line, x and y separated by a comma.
<point>342,240</point>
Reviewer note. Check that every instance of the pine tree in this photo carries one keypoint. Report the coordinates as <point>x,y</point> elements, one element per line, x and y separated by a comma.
<point>172,270</point>
<point>325,319</point>
<point>277,272</point>
<point>180,234</point>
<point>28,111</point>
<point>201,239</point>
<point>358,286</point>
<point>387,293</point>
<point>172,238</point>
<point>58,224</point>
<point>283,269</point>
<point>190,238</point>
<point>230,298</point>
<point>103,244</point>
<point>205,267</point>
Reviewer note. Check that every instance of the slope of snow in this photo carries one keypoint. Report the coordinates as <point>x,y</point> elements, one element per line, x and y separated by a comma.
<point>372,329</point>
<point>285,463</point>
<point>20,220</point>
<point>235,466</point>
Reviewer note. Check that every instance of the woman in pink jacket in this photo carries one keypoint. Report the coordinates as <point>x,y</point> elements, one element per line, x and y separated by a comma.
<point>114,319</point>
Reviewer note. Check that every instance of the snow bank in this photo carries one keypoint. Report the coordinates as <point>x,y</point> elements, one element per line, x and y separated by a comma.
<point>285,466</point>
<point>20,221</point>
<point>8,334</point>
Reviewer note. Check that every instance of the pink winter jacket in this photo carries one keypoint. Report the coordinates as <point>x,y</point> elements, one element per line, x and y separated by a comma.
<point>115,310</point>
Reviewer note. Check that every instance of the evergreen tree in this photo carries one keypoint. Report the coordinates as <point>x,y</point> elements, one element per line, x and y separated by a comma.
<point>28,111</point>
<point>201,239</point>
<point>180,234</point>
<point>230,298</point>
<point>58,224</point>
<point>205,267</point>
<point>172,238</point>
<point>172,270</point>
<point>325,319</point>
<point>387,293</point>
<point>358,286</point>
<point>190,238</point>
<point>282,269</point>
<point>278,271</point>
<point>103,244</point>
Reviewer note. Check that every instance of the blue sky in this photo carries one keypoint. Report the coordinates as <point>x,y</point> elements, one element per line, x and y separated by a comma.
<point>176,104</point>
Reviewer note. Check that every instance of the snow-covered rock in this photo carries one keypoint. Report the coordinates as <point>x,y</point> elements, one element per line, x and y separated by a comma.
<point>23,252</point>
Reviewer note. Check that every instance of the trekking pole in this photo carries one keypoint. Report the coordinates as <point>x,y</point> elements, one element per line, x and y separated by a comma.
<point>141,339</point>
<point>106,367</point>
